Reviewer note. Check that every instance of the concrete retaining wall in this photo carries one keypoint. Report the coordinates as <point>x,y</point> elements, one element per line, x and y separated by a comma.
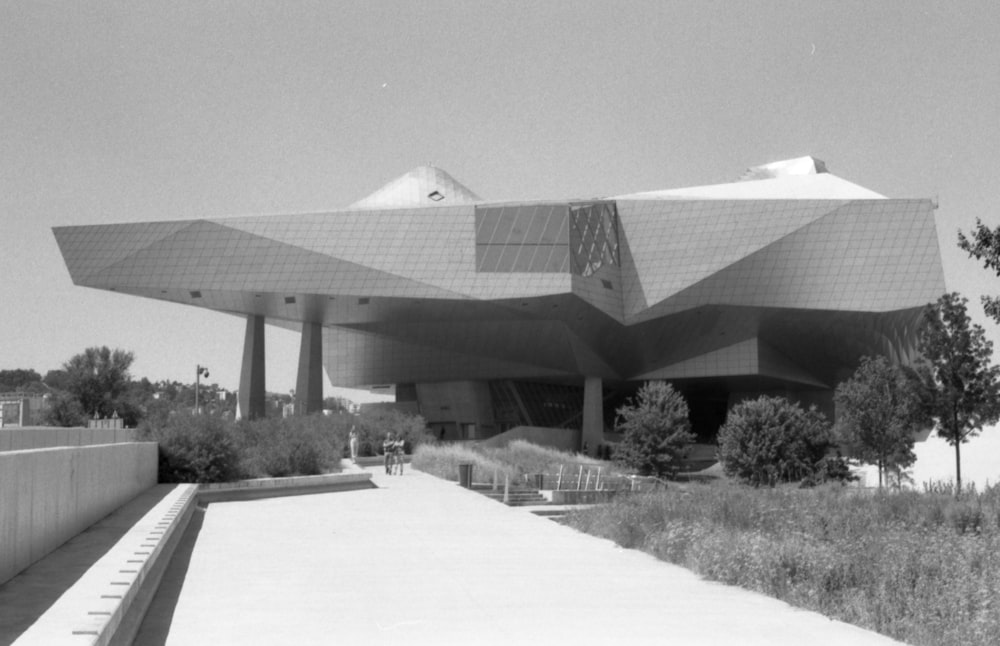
<point>41,437</point>
<point>47,496</point>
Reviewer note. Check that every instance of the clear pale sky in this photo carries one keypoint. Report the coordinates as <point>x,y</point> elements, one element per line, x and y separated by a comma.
<point>127,111</point>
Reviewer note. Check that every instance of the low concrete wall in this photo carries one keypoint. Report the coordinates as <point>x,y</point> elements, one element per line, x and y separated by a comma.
<point>47,496</point>
<point>42,437</point>
<point>274,487</point>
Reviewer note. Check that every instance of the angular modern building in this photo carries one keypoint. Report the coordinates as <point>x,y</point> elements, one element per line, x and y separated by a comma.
<point>488,315</point>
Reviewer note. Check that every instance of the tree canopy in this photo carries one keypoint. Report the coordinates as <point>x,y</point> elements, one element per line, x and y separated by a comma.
<point>879,411</point>
<point>655,428</point>
<point>967,385</point>
<point>99,378</point>
<point>985,246</point>
<point>18,380</point>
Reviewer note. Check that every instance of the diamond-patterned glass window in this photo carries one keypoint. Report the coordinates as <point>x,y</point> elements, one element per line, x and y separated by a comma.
<point>593,236</point>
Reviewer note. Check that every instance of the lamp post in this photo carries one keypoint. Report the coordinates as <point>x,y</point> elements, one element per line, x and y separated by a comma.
<point>202,370</point>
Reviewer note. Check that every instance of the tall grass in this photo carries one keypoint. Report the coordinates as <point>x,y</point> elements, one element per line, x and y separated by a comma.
<point>922,568</point>
<point>442,460</point>
<point>514,460</point>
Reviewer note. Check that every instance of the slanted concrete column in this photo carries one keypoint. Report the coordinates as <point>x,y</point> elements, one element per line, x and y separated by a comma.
<point>309,382</point>
<point>593,413</point>
<point>252,393</point>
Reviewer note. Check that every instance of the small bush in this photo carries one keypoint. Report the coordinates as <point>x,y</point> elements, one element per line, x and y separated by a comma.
<point>770,440</point>
<point>195,448</point>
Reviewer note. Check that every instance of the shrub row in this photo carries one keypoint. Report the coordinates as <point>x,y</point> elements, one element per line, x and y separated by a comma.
<point>206,448</point>
<point>924,569</point>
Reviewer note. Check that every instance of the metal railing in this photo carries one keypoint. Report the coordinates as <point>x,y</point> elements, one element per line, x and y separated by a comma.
<point>592,479</point>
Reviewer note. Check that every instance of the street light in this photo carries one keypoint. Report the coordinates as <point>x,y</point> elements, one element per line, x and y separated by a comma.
<point>202,370</point>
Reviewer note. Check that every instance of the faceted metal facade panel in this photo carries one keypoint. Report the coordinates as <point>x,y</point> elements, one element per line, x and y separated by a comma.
<point>792,291</point>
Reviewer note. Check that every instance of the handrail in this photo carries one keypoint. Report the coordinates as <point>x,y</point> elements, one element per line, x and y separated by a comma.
<point>586,479</point>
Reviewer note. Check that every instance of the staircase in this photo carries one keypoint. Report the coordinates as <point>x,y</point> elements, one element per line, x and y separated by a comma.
<point>518,496</point>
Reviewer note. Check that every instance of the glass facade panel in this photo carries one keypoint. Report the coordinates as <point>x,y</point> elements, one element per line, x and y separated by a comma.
<point>556,226</point>
<point>486,224</point>
<point>488,257</point>
<point>524,256</point>
<point>539,224</point>
<point>505,222</point>
<point>522,224</point>
<point>593,237</point>
<point>529,238</point>
<point>508,256</point>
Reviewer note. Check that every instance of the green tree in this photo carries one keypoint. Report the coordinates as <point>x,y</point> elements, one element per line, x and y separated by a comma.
<point>56,380</point>
<point>64,410</point>
<point>655,430</point>
<point>879,412</point>
<point>984,245</point>
<point>967,386</point>
<point>99,378</point>
<point>770,440</point>
<point>18,380</point>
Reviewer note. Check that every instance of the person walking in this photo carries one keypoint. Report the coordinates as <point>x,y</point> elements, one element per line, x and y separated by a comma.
<point>398,453</point>
<point>389,448</point>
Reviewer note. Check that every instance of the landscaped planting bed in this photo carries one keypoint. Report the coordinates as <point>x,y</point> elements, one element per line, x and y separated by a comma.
<point>923,568</point>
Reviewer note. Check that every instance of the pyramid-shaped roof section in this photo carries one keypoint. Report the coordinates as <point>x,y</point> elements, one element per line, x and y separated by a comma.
<point>422,186</point>
<point>802,178</point>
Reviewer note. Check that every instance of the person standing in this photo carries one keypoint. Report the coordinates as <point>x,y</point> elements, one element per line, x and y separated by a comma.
<point>354,444</point>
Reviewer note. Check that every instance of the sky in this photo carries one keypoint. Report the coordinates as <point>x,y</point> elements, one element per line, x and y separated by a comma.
<point>131,112</point>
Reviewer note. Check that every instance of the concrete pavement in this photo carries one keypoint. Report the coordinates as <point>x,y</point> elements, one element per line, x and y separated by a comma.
<point>422,561</point>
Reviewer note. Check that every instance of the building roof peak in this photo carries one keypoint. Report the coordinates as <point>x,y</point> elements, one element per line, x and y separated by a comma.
<point>807,165</point>
<point>423,186</point>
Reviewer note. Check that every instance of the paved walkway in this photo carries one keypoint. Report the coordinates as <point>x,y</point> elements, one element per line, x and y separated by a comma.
<point>422,561</point>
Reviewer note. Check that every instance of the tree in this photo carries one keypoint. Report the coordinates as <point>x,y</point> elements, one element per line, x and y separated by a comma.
<point>56,380</point>
<point>967,386</point>
<point>985,246</point>
<point>656,430</point>
<point>98,378</point>
<point>64,410</point>
<point>879,412</point>
<point>18,380</point>
<point>770,440</point>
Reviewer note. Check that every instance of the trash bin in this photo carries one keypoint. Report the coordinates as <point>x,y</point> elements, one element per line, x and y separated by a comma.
<point>465,475</point>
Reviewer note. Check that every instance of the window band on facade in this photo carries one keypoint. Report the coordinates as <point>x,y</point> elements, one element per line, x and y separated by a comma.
<point>547,238</point>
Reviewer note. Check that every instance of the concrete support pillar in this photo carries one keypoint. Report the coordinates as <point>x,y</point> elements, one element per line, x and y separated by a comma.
<point>593,413</point>
<point>309,382</point>
<point>252,397</point>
